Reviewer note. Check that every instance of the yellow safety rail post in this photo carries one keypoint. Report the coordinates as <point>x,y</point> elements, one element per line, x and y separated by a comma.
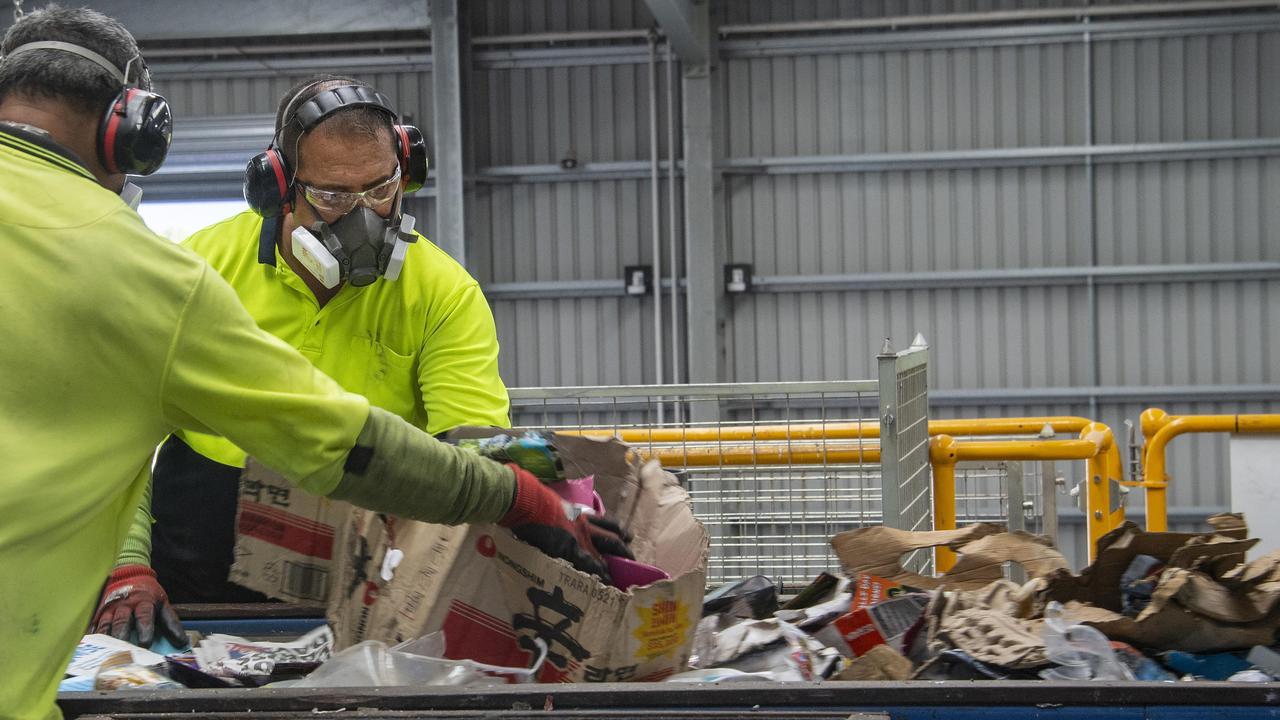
<point>943,456</point>
<point>1096,445</point>
<point>1159,427</point>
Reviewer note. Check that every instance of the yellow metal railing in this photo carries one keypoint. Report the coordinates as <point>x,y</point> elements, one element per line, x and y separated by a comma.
<point>832,431</point>
<point>1159,427</point>
<point>847,442</point>
<point>1096,445</point>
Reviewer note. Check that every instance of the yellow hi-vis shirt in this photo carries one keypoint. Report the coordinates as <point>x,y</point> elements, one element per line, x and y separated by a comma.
<point>423,346</point>
<point>112,337</point>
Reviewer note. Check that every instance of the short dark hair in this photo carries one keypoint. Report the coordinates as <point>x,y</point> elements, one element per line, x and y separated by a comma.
<point>362,121</point>
<point>60,75</point>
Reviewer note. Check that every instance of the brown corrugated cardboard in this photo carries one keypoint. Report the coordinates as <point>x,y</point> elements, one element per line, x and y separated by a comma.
<point>491,593</point>
<point>284,537</point>
<point>983,548</point>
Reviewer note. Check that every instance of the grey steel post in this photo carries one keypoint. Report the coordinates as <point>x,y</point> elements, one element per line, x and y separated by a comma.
<point>448,50</point>
<point>1049,500</point>
<point>890,500</point>
<point>706,252</point>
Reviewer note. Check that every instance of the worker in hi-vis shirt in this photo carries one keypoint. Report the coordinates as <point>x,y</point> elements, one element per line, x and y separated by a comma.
<point>115,338</point>
<point>391,317</point>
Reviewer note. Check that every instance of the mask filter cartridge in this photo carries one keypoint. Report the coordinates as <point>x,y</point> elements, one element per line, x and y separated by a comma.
<point>315,258</point>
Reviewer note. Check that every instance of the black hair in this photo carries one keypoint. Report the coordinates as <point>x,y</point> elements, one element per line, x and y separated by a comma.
<point>59,75</point>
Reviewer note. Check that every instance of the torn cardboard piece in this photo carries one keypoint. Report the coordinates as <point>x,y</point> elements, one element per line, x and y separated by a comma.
<point>983,549</point>
<point>285,537</point>
<point>1197,605</point>
<point>1099,583</point>
<point>879,663</point>
<point>994,624</point>
<point>492,594</point>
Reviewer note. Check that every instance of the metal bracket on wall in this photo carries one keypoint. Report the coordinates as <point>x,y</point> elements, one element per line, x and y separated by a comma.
<point>638,279</point>
<point>738,278</point>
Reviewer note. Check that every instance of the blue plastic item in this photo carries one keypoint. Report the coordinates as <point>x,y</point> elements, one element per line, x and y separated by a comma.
<point>1210,666</point>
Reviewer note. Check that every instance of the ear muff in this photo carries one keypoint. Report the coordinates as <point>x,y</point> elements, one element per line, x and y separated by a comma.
<point>266,184</point>
<point>412,147</point>
<point>134,135</point>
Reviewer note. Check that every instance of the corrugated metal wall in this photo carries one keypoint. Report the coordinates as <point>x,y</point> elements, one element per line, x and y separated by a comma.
<point>531,108</point>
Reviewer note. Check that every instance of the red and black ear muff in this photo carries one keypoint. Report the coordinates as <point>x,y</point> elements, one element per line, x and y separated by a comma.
<point>412,148</point>
<point>267,184</point>
<point>134,135</point>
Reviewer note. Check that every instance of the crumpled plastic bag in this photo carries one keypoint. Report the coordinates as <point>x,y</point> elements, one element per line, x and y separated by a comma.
<point>1078,652</point>
<point>413,663</point>
<point>771,649</point>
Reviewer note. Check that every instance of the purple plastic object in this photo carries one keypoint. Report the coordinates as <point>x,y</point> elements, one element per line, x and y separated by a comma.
<point>629,573</point>
<point>580,492</point>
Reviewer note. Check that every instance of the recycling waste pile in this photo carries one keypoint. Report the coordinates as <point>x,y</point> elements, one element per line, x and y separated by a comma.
<point>413,604</point>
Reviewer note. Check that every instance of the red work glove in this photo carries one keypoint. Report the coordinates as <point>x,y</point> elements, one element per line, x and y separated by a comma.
<point>537,516</point>
<point>133,598</point>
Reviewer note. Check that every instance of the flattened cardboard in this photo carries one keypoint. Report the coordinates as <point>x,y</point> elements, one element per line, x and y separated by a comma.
<point>491,593</point>
<point>983,549</point>
<point>285,537</point>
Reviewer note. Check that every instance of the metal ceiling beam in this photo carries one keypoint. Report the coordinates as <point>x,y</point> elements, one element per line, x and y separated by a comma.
<point>1079,276</point>
<point>449,64</point>
<point>995,35</point>
<point>190,19</point>
<point>999,16</point>
<point>684,24</point>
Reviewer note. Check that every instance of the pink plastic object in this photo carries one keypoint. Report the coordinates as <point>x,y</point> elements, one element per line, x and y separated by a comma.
<point>629,573</point>
<point>580,492</point>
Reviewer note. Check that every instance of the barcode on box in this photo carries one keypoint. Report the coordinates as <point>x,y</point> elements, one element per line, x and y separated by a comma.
<point>305,581</point>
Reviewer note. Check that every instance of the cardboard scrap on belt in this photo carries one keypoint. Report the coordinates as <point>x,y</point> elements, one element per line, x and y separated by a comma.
<point>983,549</point>
<point>1099,584</point>
<point>995,624</point>
<point>1205,600</point>
<point>1191,611</point>
<point>879,663</point>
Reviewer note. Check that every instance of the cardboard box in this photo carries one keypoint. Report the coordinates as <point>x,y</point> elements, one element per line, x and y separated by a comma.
<point>883,623</point>
<point>869,590</point>
<point>285,537</point>
<point>492,594</point>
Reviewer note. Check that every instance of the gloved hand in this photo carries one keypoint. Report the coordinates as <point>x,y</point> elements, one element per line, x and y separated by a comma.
<point>608,536</point>
<point>133,598</point>
<point>537,516</point>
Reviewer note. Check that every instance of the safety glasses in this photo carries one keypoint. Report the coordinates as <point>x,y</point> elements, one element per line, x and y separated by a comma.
<point>341,202</point>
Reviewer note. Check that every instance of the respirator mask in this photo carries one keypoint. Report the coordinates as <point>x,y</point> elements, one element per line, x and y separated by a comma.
<point>360,245</point>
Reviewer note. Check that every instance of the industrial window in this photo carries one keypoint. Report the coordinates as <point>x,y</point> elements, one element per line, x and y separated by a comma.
<point>178,220</point>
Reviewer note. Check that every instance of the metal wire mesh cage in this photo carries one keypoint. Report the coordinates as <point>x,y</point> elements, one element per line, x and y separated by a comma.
<point>773,469</point>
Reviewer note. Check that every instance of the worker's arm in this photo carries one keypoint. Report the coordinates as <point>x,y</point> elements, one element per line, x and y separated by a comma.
<point>137,543</point>
<point>228,377</point>
<point>458,365</point>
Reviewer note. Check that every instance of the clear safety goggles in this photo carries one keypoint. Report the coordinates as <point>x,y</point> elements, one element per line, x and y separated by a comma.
<point>342,202</point>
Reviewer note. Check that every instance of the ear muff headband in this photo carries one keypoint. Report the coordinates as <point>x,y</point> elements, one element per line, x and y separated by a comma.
<point>135,131</point>
<point>121,76</point>
<point>269,179</point>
